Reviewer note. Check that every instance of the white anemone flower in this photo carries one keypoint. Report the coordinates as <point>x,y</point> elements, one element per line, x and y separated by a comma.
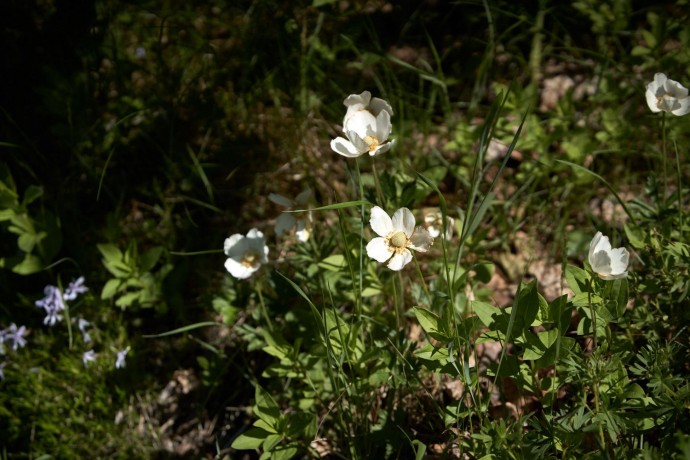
<point>396,237</point>
<point>433,221</point>
<point>245,253</point>
<point>289,220</point>
<point>667,95</point>
<point>367,125</point>
<point>608,263</point>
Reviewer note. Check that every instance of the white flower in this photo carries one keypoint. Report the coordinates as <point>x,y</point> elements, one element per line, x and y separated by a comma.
<point>120,361</point>
<point>83,324</point>
<point>396,237</point>
<point>433,221</point>
<point>87,357</point>
<point>288,220</point>
<point>367,125</point>
<point>608,263</point>
<point>667,95</point>
<point>245,253</point>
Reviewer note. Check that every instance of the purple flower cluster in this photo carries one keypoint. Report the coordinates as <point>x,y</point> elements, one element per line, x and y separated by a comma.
<point>54,300</point>
<point>15,335</point>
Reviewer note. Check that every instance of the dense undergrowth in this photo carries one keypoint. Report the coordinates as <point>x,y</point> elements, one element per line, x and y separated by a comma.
<point>136,139</point>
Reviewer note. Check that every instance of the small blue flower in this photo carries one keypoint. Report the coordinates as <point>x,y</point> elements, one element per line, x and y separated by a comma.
<point>87,357</point>
<point>53,304</point>
<point>16,335</point>
<point>75,288</point>
<point>83,324</point>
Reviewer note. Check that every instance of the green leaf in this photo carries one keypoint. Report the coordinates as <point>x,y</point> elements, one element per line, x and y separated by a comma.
<point>250,439</point>
<point>149,259</point>
<point>110,252</point>
<point>110,288</point>
<point>271,441</point>
<point>430,322</point>
<point>30,265</point>
<point>31,193</point>
<point>265,407</point>
<point>335,262</point>
<point>635,236</point>
<point>128,299</point>
<point>488,314</point>
<point>432,353</point>
<point>285,452</point>
<point>577,278</point>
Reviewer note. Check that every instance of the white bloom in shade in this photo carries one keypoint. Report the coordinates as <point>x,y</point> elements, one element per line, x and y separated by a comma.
<point>87,357</point>
<point>433,221</point>
<point>608,263</point>
<point>288,220</point>
<point>367,125</point>
<point>396,237</point>
<point>120,361</point>
<point>245,253</point>
<point>667,95</point>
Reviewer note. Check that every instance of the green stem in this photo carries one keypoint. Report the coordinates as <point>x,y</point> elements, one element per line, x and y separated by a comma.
<point>361,235</point>
<point>377,183</point>
<point>663,150</point>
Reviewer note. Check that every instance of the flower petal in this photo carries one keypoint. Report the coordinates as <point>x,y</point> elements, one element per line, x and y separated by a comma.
<point>383,148</point>
<point>684,107</point>
<point>362,99</point>
<point>281,200</point>
<point>400,260</point>
<point>238,270</point>
<point>378,249</point>
<point>284,223</point>
<point>234,245</point>
<point>379,105</point>
<point>304,197</point>
<point>619,261</point>
<point>601,263</point>
<point>421,240</point>
<point>345,148</point>
<point>362,122</point>
<point>383,126</point>
<point>651,98</point>
<point>380,222</point>
<point>403,221</point>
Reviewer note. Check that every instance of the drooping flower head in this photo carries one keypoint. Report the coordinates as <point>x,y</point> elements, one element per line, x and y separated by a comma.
<point>608,263</point>
<point>120,361</point>
<point>665,95</point>
<point>287,220</point>
<point>396,237</point>
<point>245,253</point>
<point>88,357</point>
<point>367,125</point>
<point>82,324</point>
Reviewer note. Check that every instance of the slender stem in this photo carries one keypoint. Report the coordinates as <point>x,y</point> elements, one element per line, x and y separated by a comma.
<point>377,183</point>
<point>680,194</point>
<point>361,234</point>
<point>264,311</point>
<point>421,277</point>
<point>663,150</point>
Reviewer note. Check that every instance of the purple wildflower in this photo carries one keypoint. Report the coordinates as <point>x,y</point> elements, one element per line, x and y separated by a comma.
<point>16,335</point>
<point>83,324</point>
<point>53,304</point>
<point>75,288</point>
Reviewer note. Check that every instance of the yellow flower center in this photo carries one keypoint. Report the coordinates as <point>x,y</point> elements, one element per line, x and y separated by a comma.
<point>398,240</point>
<point>250,259</point>
<point>372,142</point>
